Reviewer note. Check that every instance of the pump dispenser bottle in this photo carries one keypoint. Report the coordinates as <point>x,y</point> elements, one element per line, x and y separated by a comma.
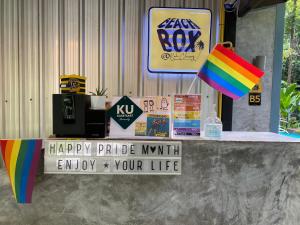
<point>213,126</point>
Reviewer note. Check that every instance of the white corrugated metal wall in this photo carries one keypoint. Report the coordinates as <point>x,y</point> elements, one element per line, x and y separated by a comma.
<point>104,40</point>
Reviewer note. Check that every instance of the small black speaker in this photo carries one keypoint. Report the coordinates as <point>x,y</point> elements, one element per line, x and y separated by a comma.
<point>96,123</point>
<point>69,114</point>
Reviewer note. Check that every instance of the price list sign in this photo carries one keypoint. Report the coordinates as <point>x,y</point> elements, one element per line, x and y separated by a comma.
<point>113,157</point>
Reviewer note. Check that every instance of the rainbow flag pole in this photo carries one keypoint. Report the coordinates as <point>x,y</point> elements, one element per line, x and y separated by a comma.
<point>21,158</point>
<point>229,73</point>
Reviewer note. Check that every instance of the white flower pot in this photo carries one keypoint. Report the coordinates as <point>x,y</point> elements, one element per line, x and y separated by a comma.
<point>98,102</point>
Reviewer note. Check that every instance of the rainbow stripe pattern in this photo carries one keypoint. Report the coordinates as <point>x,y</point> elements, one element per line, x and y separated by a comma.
<point>228,73</point>
<point>21,158</point>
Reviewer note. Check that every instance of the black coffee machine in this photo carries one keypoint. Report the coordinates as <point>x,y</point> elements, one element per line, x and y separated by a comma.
<point>72,117</point>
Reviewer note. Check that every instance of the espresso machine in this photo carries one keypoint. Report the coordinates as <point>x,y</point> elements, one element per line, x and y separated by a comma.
<point>73,117</point>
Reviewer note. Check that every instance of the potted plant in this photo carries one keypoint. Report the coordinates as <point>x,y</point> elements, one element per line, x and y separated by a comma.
<point>98,98</point>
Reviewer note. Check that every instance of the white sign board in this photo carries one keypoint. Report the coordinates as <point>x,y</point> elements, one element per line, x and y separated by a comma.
<point>154,122</point>
<point>113,157</point>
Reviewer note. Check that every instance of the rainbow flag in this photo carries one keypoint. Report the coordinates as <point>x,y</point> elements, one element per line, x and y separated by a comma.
<point>21,159</point>
<point>228,73</point>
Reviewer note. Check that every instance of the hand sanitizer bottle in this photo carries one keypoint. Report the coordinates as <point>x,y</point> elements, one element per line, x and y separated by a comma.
<point>213,126</point>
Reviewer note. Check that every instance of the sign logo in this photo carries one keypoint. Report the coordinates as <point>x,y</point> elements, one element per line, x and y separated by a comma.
<point>74,85</point>
<point>125,112</point>
<point>179,35</point>
<point>179,39</point>
<point>255,95</point>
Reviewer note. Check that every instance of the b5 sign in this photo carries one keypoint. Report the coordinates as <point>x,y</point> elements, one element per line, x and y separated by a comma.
<point>179,39</point>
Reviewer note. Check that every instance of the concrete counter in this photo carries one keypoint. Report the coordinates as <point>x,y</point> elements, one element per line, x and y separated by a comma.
<point>241,179</point>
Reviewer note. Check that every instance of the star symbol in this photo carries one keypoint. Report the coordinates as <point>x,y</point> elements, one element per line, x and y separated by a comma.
<point>106,165</point>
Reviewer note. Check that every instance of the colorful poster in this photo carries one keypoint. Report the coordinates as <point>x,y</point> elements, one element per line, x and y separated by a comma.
<point>179,39</point>
<point>157,112</point>
<point>158,125</point>
<point>186,116</point>
<point>140,129</point>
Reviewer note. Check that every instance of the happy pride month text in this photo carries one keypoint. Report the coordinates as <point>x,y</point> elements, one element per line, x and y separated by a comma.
<point>109,157</point>
<point>112,149</point>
